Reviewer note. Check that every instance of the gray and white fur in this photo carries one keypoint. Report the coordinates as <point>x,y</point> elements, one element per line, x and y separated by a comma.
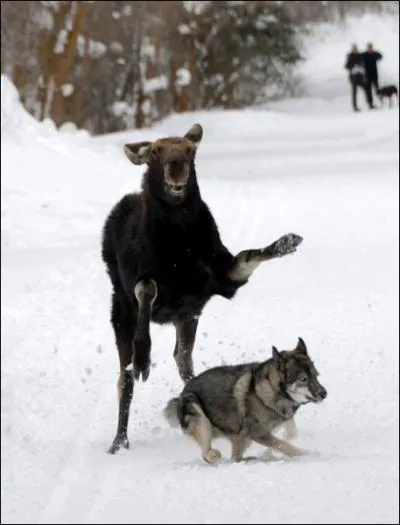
<point>246,403</point>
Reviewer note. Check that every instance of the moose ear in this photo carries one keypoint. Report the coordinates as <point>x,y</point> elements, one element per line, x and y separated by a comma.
<point>195,134</point>
<point>138,153</point>
<point>301,346</point>
<point>276,356</point>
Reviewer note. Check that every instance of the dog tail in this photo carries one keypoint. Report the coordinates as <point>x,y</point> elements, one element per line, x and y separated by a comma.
<point>171,412</point>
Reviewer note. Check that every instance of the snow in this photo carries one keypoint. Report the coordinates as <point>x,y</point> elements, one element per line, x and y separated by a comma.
<point>184,29</point>
<point>183,77</point>
<point>13,117</point>
<point>119,108</point>
<point>155,84</point>
<point>95,49</point>
<point>310,166</point>
<point>67,90</point>
<point>61,42</point>
<point>116,47</point>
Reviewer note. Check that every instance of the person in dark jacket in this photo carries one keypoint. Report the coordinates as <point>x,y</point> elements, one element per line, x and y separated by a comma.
<point>355,65</point>
<point>371,58</point>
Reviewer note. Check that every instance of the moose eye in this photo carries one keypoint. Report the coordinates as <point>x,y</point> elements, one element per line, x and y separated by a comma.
<point>155,151</point>
<point>189,151</point>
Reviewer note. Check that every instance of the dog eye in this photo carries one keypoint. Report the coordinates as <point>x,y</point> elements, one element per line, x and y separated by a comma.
<point>302,378</point>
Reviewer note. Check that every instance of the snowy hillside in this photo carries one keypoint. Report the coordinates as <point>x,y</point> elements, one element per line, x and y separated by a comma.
<point>326,174</point>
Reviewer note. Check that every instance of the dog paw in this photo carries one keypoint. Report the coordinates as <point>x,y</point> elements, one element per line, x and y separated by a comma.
<point>212,456</point>
<point>301,452</point>
<point>286,244</point>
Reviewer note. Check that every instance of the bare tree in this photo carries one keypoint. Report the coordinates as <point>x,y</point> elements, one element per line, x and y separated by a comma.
<point>114,65</point>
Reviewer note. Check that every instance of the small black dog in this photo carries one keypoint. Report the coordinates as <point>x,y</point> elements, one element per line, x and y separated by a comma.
<point>388,92</point>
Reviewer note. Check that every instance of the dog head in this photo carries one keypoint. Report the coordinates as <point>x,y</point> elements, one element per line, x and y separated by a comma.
<point>170,161</point>
<point>297,375</point>
<point>388,90</point>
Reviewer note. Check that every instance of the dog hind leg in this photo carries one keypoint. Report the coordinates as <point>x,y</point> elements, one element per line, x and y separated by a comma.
<point>200,429</point>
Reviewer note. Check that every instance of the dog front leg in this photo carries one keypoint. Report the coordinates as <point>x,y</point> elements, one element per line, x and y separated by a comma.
<point>290,429</point>
<point>280,445</point>
<point>247,261</point>
<point>185,338</point>
<point>145,293</point>
<point>239,446</point>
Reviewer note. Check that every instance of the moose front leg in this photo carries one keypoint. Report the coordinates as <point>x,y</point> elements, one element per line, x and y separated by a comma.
<point>185,338</point>
<point>145,293</point>
<point>247,261</point>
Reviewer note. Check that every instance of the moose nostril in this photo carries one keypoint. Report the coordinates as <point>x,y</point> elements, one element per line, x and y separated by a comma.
<point>174,164</point>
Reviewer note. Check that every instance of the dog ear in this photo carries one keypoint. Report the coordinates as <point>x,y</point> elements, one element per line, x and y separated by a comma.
<point>301,346</point>
<point>276,356</point>
<point>138,153</point>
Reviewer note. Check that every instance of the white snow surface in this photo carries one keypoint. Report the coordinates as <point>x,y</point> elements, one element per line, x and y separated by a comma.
<point>306,166</point>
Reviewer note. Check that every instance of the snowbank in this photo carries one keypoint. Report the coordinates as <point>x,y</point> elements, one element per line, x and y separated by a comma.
<point>52,180</point>
<point>17,122</point>
<point>14,118</point>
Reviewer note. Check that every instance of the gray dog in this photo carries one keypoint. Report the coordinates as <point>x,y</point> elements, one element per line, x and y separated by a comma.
<point>246,403</point>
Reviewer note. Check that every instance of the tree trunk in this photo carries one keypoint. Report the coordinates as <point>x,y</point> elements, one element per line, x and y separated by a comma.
<point>65,62</point>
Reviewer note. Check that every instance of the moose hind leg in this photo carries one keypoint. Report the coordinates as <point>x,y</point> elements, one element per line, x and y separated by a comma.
<point>185,339</point>
<point>123,325</point>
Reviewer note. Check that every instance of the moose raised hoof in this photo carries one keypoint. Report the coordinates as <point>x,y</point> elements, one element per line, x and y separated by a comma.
<point>118,443</point>
<point>285,245</point>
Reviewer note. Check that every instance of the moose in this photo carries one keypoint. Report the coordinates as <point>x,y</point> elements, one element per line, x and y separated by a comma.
<point>165,259</point>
